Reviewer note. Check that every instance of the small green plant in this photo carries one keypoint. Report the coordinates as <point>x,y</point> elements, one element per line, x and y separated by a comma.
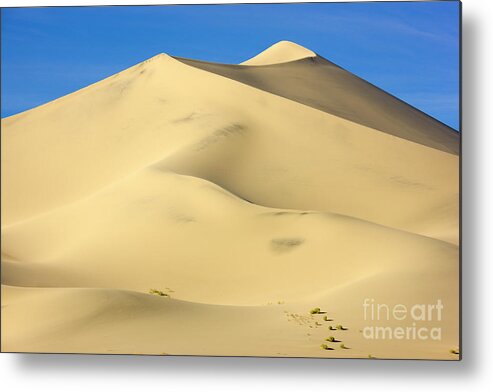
<point>158,292</point>
<point>340,327</point>
<point>343,346</point>
<point>315,311</point>
<point>331,339</point>
<point>454,351</point>
<point>325,347</point>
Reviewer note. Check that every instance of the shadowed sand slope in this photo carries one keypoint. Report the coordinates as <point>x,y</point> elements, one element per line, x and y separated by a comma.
<point>244,206</point>
<point>300,75</point>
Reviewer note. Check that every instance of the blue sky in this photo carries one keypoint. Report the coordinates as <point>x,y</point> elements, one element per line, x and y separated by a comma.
<point>409,49</point>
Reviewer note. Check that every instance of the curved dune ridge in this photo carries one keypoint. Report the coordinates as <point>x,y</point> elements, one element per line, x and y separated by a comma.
<point>281,52</point>
<point>244,196</point>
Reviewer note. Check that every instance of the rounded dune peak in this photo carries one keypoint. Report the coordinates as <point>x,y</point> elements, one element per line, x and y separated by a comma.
<point>281,52</point>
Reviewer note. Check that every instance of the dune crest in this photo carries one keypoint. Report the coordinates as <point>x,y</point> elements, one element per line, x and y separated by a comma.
<point>281,52</point>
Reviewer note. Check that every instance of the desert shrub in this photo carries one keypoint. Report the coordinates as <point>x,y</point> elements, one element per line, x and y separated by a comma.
<point>343,346</point>
<point>340,327</point>
<point>325,347</point>
<point>332,328</point>
<point>158,292</point>
<point>331,339</point>
<point>315,311</point>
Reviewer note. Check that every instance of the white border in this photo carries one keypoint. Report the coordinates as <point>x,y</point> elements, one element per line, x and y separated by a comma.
<point>35,373</point>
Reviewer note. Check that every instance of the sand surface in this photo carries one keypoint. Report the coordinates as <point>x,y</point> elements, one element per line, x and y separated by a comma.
<point>249,194</point>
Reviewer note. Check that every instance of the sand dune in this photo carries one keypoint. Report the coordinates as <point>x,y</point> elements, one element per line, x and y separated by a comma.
<point>249,193</point>
<point>304,77</point>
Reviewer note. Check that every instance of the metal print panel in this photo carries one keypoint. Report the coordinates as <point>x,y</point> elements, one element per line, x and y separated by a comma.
<point>273,180</point>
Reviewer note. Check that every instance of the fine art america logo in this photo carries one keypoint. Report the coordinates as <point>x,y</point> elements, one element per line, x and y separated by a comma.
<point>416,321</point>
